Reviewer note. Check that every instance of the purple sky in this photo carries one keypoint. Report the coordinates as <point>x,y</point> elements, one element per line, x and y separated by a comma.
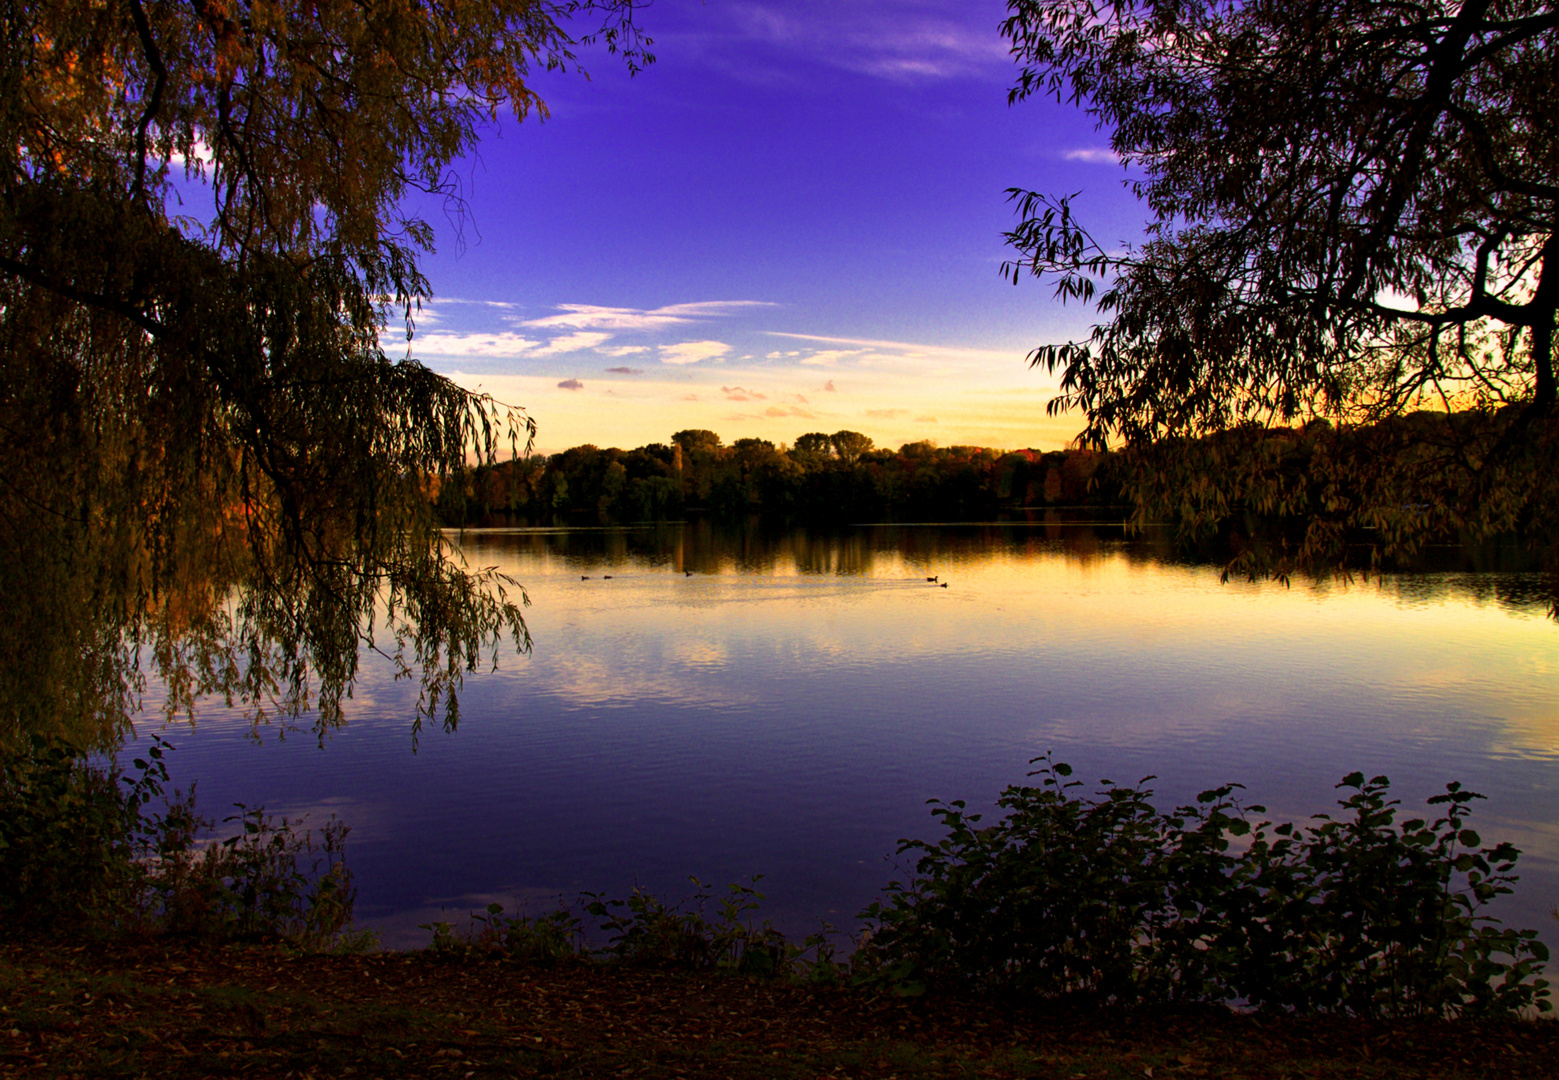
<point>791,222</point>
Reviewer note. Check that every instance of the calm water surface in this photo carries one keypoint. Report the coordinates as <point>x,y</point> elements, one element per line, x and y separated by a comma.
<point>725,706</point>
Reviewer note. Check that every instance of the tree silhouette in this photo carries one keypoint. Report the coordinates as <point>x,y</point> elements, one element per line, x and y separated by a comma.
<point>1354,210</point>
<point>815,444</point>
<point>849,445</point>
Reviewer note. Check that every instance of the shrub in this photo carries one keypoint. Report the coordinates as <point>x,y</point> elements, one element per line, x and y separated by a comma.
<point>82,853</point>
<point>271,880</point>
<point>537,939</point>
<point>646,931</point>
<point>1105,900</point>
<point>68,832</point>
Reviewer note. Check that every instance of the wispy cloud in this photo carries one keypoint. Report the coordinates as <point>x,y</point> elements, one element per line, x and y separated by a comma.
<point>594,317</point>
<point>736,393</point>
<point>692,352</point>
<point>885,414</point>
<point>901,348</point>
<point>571,343</point>
<point>624,350</point>
<point>1093,155</point>
<point>779,411</point>
<point>203,156</point>
<point>473,344</point>
<point>442,300</point>
<point>830,357</point>
<point>624,371</point>
<point>888,39</point>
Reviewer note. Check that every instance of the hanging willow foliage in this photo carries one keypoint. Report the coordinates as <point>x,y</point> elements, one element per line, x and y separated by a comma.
<point>206,460</point>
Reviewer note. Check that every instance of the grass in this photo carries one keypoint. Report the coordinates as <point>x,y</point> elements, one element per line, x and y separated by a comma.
<point>166,1010</point>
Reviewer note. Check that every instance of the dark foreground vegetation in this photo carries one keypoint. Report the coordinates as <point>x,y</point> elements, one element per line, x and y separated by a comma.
<point>1081,934</point>
<point>166,1009</point>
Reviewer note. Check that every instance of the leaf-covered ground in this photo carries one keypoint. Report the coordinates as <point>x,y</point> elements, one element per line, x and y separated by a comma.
<point>162,1011</point>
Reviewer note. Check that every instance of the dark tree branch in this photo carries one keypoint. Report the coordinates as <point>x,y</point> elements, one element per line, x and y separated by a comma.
<point>1478,132</point>
<point>153,55</point>
<point>1444,60</point>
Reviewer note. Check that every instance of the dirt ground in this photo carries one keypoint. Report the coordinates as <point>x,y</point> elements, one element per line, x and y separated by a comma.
<point>168,1011</point>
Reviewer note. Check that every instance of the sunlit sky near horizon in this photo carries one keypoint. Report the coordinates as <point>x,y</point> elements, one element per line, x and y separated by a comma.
<point>791,222</point>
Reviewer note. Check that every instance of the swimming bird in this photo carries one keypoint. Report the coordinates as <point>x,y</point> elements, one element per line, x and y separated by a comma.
<point>931,578</point>
<point>584,577</point>
<point>606,577</point>
<point>944,584</point>
<point>687,573</point>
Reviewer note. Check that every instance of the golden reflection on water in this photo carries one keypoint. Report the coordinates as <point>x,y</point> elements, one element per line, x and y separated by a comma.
<point>786,703</point>
<point>865,595</point>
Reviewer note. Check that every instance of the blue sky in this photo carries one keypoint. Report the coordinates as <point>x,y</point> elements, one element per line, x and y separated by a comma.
<point>791,222</point>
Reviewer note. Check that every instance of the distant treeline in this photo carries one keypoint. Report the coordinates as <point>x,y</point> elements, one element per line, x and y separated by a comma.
<point>1271,499</point>
<point>820,478</point>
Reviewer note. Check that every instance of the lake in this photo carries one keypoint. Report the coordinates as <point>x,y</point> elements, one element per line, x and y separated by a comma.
<point>736,703</point>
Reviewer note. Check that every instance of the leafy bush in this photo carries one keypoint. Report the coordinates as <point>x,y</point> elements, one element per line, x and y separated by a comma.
<point>1104,899</point>
<point>270,880</point>
<point>645,931</point>
<point>539,939</point>
<point>68,832</point>
<point>82,853</point>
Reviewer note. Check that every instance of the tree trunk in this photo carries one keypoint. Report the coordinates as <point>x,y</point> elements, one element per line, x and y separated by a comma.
<point>1543,390</point>
<point>1544,305</point>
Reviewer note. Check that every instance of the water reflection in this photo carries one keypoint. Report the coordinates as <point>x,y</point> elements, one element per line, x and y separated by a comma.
<point>709,547</point>
<point>784,702</point>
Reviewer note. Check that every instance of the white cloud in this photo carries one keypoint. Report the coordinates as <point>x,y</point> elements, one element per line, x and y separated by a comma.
<point>691,352</point>
<point>422,316</point>
<point>504,304</point>
<point>1093,155</point>
<point>903,349</point>
<point>884,39</point>
<point>830,357</point>
<point>704,309</point>
<point>571,343</point>
<point>449,344</point>
<point>204,156</point>
<point>594,317</point>
<point>624,350</point>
